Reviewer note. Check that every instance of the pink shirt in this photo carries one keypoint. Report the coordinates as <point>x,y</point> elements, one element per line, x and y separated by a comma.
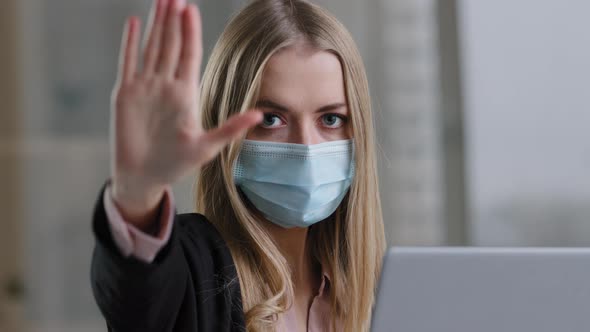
<point>132,241</point>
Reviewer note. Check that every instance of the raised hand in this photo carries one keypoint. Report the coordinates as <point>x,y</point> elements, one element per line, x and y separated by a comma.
<point>156,129</point>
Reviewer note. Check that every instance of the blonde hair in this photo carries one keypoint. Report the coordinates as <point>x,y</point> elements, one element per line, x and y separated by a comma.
<point>350,244</point>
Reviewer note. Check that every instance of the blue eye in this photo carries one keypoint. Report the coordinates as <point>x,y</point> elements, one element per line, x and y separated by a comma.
<point>271,121</point>
<point>333,120</point>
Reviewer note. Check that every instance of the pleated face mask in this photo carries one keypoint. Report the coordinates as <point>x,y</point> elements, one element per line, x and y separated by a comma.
<point>295,185</point>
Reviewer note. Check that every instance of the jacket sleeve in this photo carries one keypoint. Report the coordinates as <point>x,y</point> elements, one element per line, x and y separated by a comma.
<point>134,295</point>
<point>132,241</point>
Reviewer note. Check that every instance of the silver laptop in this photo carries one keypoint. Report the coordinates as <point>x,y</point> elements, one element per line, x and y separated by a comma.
<point>472,289</point>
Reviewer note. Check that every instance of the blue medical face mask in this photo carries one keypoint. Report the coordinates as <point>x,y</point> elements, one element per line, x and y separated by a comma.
<point>295,185</point>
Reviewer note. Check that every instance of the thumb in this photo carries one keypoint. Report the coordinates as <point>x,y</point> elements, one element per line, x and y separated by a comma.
<point>216,139</point>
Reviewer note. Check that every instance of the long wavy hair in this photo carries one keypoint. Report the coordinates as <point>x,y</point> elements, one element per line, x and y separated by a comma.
<point>350,244</point>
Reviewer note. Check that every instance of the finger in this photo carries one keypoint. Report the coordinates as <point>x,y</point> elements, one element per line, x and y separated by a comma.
<point>192,45</point>
<point>233,128</point>
<point>171,42</point>
<point>128,53</point>
<point>152,46</point>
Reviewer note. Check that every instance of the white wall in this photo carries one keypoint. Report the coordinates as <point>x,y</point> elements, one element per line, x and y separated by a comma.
<point>527,103</point>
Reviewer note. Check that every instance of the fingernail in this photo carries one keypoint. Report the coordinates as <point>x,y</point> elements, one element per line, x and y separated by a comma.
<point>132,22</point>
<point>180,4</point>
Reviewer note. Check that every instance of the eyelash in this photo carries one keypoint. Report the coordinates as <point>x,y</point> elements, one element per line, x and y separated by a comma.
<point>342,118</point>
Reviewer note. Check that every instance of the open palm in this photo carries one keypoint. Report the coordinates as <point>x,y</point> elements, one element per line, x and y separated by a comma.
<point>156,127</point>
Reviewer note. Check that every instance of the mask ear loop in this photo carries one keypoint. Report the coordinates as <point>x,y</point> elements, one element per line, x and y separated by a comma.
<point>231,156</point>
<point>352,160</point>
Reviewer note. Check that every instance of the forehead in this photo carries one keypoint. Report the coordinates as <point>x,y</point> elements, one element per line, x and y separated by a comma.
<point>302,75</point>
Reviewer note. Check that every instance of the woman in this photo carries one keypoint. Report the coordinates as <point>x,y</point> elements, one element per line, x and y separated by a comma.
<point>289,234</point>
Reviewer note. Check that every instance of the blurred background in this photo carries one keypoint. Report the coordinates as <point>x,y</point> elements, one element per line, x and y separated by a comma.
<point>482,110</point>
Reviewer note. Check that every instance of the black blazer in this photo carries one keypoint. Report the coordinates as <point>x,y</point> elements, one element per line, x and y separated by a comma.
<point>192,284</point>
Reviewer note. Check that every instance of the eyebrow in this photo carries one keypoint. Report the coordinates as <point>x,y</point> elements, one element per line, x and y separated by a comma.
<point>267,103</point>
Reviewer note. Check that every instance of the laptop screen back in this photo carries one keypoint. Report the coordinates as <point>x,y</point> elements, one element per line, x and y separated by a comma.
<point>452,289</point>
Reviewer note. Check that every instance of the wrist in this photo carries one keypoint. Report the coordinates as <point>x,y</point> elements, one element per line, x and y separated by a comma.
<point>136,201</point>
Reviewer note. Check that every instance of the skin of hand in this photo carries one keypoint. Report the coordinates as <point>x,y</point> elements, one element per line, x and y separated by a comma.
<point>156,132</point>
